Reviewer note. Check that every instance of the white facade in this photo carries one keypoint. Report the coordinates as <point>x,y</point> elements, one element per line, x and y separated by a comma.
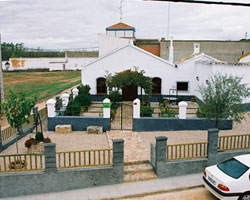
<point>48,63</point>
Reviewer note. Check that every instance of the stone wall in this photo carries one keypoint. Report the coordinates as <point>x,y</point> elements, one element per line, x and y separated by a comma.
<point>78,123</point>
<point>164,168</point>
<point>55,180</point>
<point>174,124</point>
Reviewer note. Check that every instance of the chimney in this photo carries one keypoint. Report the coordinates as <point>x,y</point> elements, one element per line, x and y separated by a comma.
<point>196,48</point>
<point>171,51</point>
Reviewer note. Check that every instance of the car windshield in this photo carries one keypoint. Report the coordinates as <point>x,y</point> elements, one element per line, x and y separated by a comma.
<point>233,168</point>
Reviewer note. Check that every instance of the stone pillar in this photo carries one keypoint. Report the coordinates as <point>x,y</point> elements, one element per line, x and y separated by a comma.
<point>118,158</point>
<point>212,146</point>
<point>65,99</point>
<point>106,108</point>
<point>75,92</point>
<point>182,110</point>
<point>136,108</point>
<point>160,155</point>
<point>1,142</point>
<point>50,157</point>
<point>35,111</point>
<point>51,107</point>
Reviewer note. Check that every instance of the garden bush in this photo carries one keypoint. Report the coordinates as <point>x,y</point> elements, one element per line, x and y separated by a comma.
<point>114,96</point>
<point>73,109</point>
<point>83,99</point>
<point>84,89</point>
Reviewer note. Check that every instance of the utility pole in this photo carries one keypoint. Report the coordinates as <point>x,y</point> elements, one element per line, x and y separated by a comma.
<point>1,78</point>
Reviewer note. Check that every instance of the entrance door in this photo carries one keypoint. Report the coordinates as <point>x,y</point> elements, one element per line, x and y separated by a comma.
<point>129,93</point>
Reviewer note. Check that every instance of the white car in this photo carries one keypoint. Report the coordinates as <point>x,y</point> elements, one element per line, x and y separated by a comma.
<point>229,179</point>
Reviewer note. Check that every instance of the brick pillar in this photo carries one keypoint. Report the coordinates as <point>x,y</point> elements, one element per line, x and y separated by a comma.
<point>118,158</point>
<point>212,146</point>
<point>160,152</point>
<point>50,157</point>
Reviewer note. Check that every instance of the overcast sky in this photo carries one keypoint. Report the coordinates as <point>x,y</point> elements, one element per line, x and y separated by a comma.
<point>61,24</point>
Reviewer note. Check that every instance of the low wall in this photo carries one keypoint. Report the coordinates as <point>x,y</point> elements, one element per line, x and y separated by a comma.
<point>53,179</point>
<point>78,123</point>
<point>174,124</point>
<point>29,183</point>
<point>165,168</point>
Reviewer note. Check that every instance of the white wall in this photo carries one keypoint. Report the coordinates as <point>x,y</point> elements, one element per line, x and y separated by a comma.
<point>51,63</point>
<point>108,43</point>
<point>127,58</point>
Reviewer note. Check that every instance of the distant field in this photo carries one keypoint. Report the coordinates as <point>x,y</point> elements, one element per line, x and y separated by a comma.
<point>42,84</point>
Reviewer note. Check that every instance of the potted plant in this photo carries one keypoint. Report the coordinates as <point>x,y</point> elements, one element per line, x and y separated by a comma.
<point>36,145</point>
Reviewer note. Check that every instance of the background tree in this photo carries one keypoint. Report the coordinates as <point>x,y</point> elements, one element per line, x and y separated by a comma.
<point>18,110</point>
<point>222,98</point>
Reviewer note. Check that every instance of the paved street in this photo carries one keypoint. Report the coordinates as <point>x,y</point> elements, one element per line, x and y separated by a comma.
<point>199,193</point>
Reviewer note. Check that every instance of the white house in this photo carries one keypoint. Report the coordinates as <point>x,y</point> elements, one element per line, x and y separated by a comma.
<point>120,54</point>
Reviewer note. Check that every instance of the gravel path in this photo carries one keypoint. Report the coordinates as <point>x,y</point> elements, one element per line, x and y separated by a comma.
<point>77,140</point>
<point>182,137</point>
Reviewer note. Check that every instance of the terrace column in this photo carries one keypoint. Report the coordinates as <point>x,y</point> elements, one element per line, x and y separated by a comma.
<point>212,146</point>
<point>182,110</point>
<point>65,99</point>
<point>75,93</point>
<point>106,108</point>
<point>51,107</point>
<point>118,157</point>
<point>136,108</point>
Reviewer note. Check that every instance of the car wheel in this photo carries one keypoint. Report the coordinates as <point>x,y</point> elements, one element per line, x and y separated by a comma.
<point>245,196</point>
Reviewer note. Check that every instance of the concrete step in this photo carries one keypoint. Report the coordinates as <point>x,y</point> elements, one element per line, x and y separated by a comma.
<point>138,171</point>
<point>139,176</point>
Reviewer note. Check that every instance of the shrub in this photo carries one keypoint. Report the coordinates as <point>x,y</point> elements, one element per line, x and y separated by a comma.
<point>114,96</point>
<point>73,109</point>
<point>83,99</point>
<point>84,89</point>
<point>168,112</point>
<point>146,111</point>
<point>39,136</point>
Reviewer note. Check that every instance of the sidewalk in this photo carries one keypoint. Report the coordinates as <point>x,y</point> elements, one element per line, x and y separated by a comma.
<point>125,190</point>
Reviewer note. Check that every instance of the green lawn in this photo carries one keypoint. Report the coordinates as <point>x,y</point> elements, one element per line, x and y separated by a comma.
<point>41,84</point>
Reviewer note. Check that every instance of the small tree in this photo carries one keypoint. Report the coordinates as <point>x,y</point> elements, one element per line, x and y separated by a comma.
<point>222,98</point>
<point>18,109</point>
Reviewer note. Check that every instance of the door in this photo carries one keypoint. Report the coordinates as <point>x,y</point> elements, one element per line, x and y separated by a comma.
<point>129,93</point>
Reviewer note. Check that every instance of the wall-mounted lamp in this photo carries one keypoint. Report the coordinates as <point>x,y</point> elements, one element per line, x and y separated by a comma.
<point>207,82</point>
<point>7,65</point>
<point>197,78</point>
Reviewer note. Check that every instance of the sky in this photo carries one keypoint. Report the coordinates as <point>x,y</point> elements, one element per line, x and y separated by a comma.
<point>72,24</point>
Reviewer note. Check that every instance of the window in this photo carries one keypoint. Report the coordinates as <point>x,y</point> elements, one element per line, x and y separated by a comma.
<point>156,86</point>
<point>101,86</point>
<point>182,86</point>
<point>233,168</point>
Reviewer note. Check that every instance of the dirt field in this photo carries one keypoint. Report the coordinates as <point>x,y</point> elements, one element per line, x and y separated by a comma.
<point>42,84</point>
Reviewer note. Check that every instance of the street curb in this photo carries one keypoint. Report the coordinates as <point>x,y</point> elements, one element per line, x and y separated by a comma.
<point>155,193</point>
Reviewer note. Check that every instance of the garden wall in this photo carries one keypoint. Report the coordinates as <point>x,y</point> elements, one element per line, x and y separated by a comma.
<point>53,179</point>
<point>167,168</point>
<point>174,124</point>
<point>78,123</point>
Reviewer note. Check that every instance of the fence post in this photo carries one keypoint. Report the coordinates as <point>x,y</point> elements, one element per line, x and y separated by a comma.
<point>106,108</point>
<point>182,110</point>
<point>136,108</point>
<point>75,92</point>
<point>65,99</point>
<point>51,107</point>
<point>212,146</point>
<point>1,141</point>
<point>35,111</point>
<point>118,157</point>
<point>160,155</point>
<point>50,157</point>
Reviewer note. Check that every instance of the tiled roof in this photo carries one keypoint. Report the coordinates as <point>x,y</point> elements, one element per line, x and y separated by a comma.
<point>243,56</point>
<point>120,26</point>
<point>186,58</point>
